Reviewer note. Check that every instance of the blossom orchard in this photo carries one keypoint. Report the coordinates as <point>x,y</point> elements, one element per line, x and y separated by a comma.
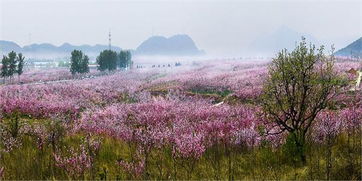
<point>178,125</point>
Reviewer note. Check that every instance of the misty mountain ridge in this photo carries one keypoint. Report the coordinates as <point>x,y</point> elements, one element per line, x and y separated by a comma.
<point>283,37</point>
<point>177,45</point>
<point>47,48</point>
<point>353,49</point>
<point>8,46</point>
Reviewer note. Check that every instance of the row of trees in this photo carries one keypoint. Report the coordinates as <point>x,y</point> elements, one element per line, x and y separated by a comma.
<point>107,60</point>
<point>110,60</point>
<point>12,64</point>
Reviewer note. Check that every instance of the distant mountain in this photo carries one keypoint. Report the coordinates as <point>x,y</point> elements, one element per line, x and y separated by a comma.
<point>353,49</point>
<point>178,45</point>
<point>283,37</point>
<point>41,48</point>
<point>46,48</point>
<point>8,46</point>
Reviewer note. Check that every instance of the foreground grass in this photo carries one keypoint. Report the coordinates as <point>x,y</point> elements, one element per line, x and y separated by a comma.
<point>28,161</point>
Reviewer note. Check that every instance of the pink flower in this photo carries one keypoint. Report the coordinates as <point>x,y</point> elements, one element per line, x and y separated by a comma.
<point>75,164</point>
<point>327,126</point>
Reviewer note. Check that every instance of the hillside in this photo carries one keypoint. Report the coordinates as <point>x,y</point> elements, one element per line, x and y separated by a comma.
<point>178,45</point>
<point>47,48</point>
<point>353,49</point>
<point>7,46</point>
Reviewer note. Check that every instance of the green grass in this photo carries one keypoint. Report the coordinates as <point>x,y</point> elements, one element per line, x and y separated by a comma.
<point>216,95</point>
<point>219,162</point>
<point>222,93</point>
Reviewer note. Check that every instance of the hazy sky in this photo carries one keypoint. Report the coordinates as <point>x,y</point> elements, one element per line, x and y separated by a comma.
<point>215,25</point>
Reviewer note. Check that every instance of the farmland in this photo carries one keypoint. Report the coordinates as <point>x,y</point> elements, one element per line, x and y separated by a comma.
<point>202,121</point>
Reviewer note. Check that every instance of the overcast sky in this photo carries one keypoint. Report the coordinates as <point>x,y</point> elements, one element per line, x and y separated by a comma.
<point>215,25</point>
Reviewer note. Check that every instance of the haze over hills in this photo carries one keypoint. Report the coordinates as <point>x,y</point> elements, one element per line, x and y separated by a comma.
<point>7,46</point>
<point>283,37</point>
<point>353,49</point>
<point>47,48</point>
<point>177,45</point>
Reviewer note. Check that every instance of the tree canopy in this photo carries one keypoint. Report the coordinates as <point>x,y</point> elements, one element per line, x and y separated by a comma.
<point>125,59</point>
<point>12,64</point>
<point>107,60</point>
<point>79,62</point>
<point>300,84</point>
<point>20,60</point>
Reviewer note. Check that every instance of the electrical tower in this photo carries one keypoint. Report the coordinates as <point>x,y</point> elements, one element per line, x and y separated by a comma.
<point>109,39</point>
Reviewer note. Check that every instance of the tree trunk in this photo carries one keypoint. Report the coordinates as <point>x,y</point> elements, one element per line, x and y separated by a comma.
<point>299,139</point>
<point>329,156</point>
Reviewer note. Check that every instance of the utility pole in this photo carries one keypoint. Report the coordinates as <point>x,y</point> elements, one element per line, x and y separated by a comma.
<point>109,39</point>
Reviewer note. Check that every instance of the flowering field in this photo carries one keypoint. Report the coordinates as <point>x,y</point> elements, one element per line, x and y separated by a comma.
<point>38,75</point>
<point>201,122</point>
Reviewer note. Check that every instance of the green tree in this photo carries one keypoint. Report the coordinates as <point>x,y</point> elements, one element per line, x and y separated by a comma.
<point>12,64</point>
<point>125,59</point>
<point>20,60</point>
<point>85,64</point>
<point>5,63</point>
<point>107,60</point>
<point>75,60</point>
<point>79,62</point>
<point>300,84</point>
